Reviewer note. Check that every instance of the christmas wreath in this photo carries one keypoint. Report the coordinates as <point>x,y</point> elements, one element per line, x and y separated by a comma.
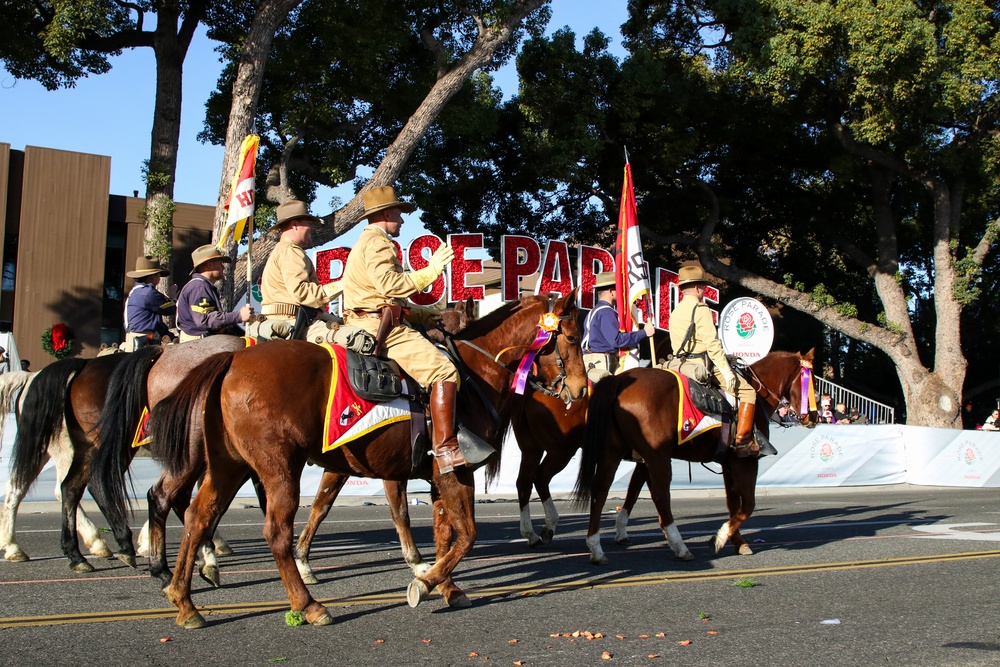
<point>58,340</point>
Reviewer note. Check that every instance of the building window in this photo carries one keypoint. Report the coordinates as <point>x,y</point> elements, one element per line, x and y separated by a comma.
<point>9,263</point>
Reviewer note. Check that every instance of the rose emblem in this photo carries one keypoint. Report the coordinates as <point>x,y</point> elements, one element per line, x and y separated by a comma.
<point>746,326</point>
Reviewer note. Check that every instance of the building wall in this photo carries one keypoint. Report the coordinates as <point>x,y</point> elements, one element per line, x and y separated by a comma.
<point>56,203</point>
<point>61,248</point>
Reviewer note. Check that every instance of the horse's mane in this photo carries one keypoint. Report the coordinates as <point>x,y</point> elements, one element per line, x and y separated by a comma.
<point>494,320</point>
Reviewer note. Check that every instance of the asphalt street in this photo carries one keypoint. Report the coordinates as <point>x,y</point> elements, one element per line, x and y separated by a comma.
<point>895,576</point>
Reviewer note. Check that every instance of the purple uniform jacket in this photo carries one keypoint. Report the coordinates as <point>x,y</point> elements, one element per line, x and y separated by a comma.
<point>199,310</point>
<point>145,307</point>
<point>602,331</point>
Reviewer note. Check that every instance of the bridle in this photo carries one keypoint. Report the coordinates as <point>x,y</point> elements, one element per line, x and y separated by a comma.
<point>807,394</point>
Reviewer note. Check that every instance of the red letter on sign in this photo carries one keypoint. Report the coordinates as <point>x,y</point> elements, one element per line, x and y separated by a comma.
<point>592,262</point>
<point>519,257</point>
<point>462,266</point>
<point>556,274</point>
<point>417,260</point>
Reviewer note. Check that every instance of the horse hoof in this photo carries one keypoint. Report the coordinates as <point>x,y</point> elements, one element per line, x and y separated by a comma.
<point>685,556</point>
<point>420,569</point>
<point>82,568</point>
<point>128,559</point>
<point>535,542</point>
<point>101,551</point>
<point>416,593</point>
<point>322,619</point>
<point>17,557</point>
<point>210,573</point>
<point>745,550</point>
<point>223,550</point>
<point>193,622</point>
<point>603,560</point>
<point>460,601</point>
<point>547,535</point>
<point>625,541</point>
<point>309,577</point>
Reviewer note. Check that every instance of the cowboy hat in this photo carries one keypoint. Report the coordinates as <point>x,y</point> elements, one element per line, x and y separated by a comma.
<point>295,210</point>
<point>688,275</point>
<point>147,266</point>
<point>381,198</point>
<point>207,253</point>
<point>605,280</point>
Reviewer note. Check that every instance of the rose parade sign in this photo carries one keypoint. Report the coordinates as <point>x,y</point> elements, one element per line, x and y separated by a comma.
<point>746,329</point>
<point>555,266</point>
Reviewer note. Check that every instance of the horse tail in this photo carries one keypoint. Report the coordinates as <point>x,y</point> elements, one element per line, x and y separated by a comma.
<point>603,399</point>
<point>42,418</point>
<point>117,426</point>
<point>170,422</point>
<point>12,386</point>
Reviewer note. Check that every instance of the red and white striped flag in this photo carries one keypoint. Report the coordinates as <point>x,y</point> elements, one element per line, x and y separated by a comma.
<point>631,274</point>
<point>240,202</point>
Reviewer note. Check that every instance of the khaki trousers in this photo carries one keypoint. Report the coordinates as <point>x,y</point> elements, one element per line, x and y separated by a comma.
<point>415,354</point>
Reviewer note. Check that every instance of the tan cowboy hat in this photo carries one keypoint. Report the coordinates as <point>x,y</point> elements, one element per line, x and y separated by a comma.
<point>147,266</point>
<point>207,253</point>
<point>688,275</point>
<point>381,198</point>
<point>605,280</point>
<point>295,210</point>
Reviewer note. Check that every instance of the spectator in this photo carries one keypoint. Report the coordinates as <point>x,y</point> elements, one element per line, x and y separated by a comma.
<point>991,423</point>
<point>840,415</point>
<point>4,361</point>
<point>968,417</point>
<point>25,365</point>
<point>826,410</point>
<point>857,417</point>
<point>785,415</point>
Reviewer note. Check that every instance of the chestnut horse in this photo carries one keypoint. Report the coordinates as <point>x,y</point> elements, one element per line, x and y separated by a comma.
<point>637,410</point>
<point>250,424</point>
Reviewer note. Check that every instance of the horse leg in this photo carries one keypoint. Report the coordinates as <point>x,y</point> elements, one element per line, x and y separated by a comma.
<point>61,453</point>
<point>71,491</point>
<point>525,474</point>
<point>211,500</point>
<point>603,479</point>
<point>395,494</point>
<point>454,515</point>
<point>329,488</point>
<point>8,519</point>
<point>550,466</point>
<point>142,541</point>
<point>635,483</point>
<point>740,478</point>
<point>660,475</point>
<point>279,520</point>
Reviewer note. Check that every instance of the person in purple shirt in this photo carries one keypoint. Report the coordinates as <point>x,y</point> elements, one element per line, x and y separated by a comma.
<point>199,309</point>
<point>602,339</point>
<point>146,306</point>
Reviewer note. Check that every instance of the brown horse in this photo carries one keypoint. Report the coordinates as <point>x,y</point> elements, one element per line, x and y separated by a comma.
<point>248,428</point>
<point>637,410</point>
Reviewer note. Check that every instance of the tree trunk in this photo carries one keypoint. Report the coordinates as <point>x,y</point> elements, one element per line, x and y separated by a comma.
<point>246,92</point>
<point>403,146</point>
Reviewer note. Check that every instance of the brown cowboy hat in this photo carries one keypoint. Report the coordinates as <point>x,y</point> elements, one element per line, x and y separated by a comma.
<point>147,266</point>
<point>207,253</point>
<point>381,198</point>
<point>295,210</point>
<point>605,280</point>
<point>689,275</point>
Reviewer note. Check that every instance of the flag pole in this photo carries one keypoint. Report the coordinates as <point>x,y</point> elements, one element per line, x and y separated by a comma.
<point>249,263</point>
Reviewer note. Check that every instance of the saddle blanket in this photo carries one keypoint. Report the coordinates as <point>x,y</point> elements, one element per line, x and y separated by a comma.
<point>690,420</point>
<point>348,416</point>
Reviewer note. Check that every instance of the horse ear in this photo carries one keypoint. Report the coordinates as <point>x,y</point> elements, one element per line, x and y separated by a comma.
<point>470,307</point>
<point>808,356</point>
<point>568,301</point>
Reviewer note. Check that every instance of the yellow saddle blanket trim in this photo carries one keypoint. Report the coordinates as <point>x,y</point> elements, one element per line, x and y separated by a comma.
<point>690,420</point>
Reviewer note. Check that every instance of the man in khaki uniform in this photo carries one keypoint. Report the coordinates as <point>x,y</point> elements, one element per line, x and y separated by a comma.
<point>290,283</point>
<point>373,279</point>
<point>695,339</point>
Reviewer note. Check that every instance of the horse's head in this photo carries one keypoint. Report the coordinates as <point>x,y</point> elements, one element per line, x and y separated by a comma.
<point>560,361</point>
<point>455,319</point>
<point>786,375</point>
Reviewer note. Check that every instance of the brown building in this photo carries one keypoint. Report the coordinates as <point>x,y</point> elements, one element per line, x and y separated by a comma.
<point>67,244</point>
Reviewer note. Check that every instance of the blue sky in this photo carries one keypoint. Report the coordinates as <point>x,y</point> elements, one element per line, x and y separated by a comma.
<point>111,114</point>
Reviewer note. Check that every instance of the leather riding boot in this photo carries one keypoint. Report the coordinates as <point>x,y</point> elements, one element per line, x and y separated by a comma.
<point>745,443</point>
<point>444,442</point>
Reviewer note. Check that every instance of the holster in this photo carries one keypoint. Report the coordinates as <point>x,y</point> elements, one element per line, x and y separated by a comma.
<point>303,318</point>
<point>392,317</point>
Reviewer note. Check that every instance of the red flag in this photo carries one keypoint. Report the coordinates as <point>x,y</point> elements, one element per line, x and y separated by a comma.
<point>240,201</point>
<point>632,277</point>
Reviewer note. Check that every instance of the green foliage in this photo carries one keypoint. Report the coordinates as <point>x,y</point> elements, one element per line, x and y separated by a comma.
<point>745,582</point>
<point>294,619</point>
<point>159,221</point>
<point>888,324</point>
<point>154,178</point>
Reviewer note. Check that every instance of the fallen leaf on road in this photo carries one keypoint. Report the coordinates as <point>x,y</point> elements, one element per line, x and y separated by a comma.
<point>605,656</point>
<point>653,655</point>
<point>512,641</point>
<point>713,632</point>
<point>686,642</point>
<point>426,641</point>
<point>379,641</point>
<point>661,634</point>
<point>164,639</point>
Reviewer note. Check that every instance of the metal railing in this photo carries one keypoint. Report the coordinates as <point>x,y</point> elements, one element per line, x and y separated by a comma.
<point>877,413</point>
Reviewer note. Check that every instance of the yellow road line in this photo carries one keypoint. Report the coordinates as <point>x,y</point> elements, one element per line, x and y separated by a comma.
<point>400,598</point>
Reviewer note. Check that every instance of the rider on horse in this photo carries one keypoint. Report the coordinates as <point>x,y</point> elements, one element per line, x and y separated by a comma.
<point>695,340</point>
<point>603,338</point>
<point>375,292</point>
<point>199,308</point>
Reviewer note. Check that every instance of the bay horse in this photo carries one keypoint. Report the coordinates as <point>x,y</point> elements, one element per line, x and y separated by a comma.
<point>247,427</point>
<point>59,412</point>
<point>637,410</point>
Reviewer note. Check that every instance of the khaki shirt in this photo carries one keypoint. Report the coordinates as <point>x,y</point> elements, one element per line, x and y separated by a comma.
<point>290,277</point>
<point>374,276</point>
<point>704,337</point>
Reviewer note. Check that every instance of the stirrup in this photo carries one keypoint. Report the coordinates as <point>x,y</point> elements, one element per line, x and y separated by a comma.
<point>746,450</point>
<point>448,459</point>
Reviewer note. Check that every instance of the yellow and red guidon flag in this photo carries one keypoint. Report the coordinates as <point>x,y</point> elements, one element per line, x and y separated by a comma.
<point>631,275</point>
<point>240,201</point>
